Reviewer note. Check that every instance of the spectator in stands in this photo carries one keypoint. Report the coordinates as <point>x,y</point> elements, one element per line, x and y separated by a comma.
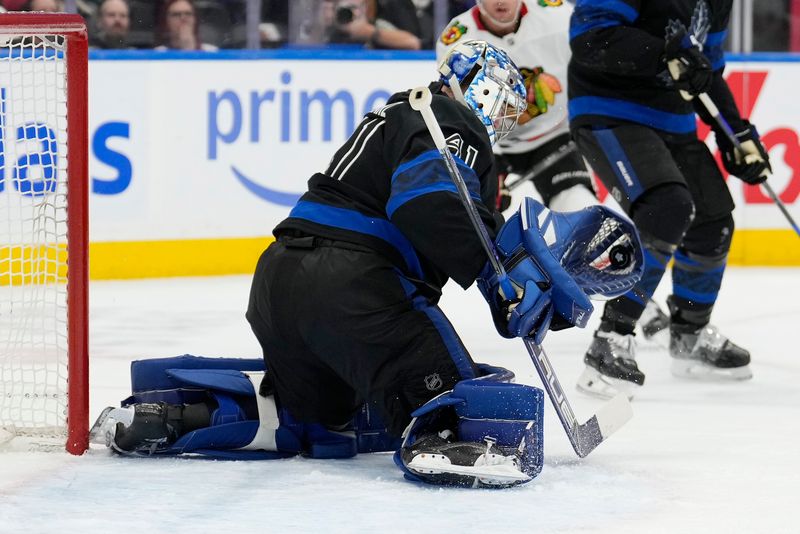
<point>361,22</point>
<point>112,25</point>
<point>15,5</point>
<point>178,28</point>
<point>273,28</point>
<point>50,6</point>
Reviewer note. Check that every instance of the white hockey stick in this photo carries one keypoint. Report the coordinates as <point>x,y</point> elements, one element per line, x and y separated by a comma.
<point>616,412</point>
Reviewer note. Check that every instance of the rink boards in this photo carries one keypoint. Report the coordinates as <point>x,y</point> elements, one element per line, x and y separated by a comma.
<point>195,158</point>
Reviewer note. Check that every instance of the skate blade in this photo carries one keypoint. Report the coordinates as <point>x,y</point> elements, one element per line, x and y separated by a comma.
<point>598,385</point>
<point>496,474</point>
<point>696,370</point>
<point>103,430</point>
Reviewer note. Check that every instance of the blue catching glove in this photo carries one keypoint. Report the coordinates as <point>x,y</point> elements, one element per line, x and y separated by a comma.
<point>542,286</point>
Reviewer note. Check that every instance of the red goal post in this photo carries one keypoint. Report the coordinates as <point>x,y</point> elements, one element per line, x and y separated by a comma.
<point>44,262</point>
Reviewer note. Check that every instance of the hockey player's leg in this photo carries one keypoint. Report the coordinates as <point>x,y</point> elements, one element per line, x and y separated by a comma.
<point>573,198</point>
<point>698,349</point>
<point>483,433</point>
<point>558,173</point>
<point>654,323</point>
<point>651,189</point>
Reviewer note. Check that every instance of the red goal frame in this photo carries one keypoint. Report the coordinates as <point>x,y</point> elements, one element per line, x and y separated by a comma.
<point>73,29</point>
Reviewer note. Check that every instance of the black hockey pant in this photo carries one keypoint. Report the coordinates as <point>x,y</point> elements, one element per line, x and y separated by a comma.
<point>339,325</point>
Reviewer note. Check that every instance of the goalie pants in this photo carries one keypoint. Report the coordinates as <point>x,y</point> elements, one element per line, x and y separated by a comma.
<point>339,326</point>
<point>681,205</point>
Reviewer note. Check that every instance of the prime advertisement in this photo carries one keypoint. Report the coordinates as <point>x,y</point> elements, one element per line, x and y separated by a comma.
<point>194,160</point>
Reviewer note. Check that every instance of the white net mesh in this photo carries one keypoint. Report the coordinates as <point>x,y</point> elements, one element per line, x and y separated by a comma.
<point>33,235</point>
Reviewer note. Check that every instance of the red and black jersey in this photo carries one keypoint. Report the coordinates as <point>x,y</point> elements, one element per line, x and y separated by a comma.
<point>618,73</point>
<point>387,188</point>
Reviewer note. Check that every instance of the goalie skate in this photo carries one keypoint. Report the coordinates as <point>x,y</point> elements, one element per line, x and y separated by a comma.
<point>465,463</point>
<point>103,430</point>
<point>705,354</point>
<point>140,429</point>
<point>611,367</point>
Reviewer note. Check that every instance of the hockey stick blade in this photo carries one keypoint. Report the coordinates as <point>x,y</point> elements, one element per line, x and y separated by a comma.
<point>584,437</point>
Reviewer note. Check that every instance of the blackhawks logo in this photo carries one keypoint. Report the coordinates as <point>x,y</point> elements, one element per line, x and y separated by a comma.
<point>453,33</point>
<point>552,3</point>
<point>542,89</point>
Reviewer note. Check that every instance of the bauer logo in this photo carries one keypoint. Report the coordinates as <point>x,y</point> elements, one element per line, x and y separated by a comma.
<point>284,115</point>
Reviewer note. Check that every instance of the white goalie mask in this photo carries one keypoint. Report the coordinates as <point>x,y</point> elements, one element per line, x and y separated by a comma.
<point>483,78</point>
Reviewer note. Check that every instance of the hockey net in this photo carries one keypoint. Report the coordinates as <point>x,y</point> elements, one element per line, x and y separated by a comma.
<point>43,232</point>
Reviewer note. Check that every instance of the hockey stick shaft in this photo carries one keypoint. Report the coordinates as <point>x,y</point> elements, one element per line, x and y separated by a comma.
<point>728,131</point>
<point>420,100</point>
<point>546,162</point>
<point>583,438</point>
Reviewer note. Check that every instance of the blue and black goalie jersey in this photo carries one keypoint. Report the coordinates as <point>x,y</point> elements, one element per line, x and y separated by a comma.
<point>387,188</point>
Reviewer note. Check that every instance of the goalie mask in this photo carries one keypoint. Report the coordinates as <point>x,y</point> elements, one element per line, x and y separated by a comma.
<point>483,78</point>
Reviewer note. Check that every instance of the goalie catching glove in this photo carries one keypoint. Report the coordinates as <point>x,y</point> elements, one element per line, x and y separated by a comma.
<point>555,262</point>
<point>542,286</point>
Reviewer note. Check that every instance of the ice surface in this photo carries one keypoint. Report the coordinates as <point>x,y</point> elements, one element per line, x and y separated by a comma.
<point>695,458</point>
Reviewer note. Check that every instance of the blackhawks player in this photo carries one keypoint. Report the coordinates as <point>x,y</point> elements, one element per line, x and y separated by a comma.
<point>535,35</point>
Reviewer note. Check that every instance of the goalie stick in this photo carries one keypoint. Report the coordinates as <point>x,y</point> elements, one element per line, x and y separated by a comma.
<point>585,437</point>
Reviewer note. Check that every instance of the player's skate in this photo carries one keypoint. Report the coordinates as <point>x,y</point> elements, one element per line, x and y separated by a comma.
<point>704,353</point>
<point>611,366</point>
<point>460,463</point>
<point>140,429</point>
<point>654,324</point>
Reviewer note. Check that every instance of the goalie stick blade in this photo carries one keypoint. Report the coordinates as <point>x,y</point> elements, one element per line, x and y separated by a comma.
<point>611,417</point>
<point>585,437</point>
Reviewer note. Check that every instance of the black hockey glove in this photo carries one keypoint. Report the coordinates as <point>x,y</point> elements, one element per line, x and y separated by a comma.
<point>752,166</point>
<point>690,69</point>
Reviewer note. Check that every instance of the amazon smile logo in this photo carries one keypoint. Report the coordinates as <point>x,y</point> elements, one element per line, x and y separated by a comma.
<point>265,193</point>
<point>275,119</point>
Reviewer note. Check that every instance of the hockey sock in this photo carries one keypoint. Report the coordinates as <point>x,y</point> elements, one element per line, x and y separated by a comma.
<point>696,281</point>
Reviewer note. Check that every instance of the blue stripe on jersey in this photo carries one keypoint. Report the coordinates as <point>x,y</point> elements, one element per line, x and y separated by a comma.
<point>448,334</point>
<point>596,14</point>
<point>427,174</point>
<point>716,55</point>
<point>620,163</point>
<point>679,123</point>
<point>354,221</point>
<point>716,38</point>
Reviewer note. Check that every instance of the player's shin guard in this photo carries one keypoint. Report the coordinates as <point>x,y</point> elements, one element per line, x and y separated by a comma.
<point>483,433</point>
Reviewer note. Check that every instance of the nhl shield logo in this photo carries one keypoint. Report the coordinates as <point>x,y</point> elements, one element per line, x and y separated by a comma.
<point>433,382</point>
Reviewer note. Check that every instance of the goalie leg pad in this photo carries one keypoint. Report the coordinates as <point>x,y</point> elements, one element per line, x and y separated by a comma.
<point>229,386</point>
<point>483,433</point>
